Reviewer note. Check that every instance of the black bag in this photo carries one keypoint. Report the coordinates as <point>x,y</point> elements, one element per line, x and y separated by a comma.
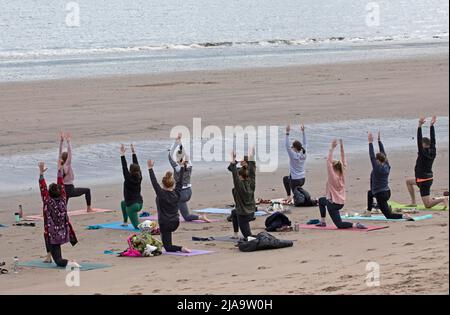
<point>277,221</point>
<point>263,241</point>
<point>302,198</point>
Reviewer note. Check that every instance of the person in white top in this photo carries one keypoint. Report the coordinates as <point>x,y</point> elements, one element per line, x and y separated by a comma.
<point>297,160</point>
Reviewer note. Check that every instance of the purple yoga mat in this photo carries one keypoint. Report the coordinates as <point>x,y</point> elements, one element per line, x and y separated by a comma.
<point>195,252</point>
<point>332,227</point>
<point>155,218</point>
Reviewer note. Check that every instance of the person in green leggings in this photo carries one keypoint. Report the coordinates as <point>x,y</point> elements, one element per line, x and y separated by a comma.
<point>133,202</point>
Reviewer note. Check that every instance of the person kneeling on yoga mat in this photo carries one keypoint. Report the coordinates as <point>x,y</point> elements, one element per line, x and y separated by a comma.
<point>186,192</point>
<point>243,194</point>
<point>69,176</point>
<point>167,200</point>
<point>297,160</point>
<point>133,202</point>
<point>379,182</point>
<point>424,168</point>
<point>57,227</point>
<point>335,191</point>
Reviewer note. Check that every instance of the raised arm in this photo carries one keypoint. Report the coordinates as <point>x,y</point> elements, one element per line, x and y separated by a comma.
<point>42,184</point>
<point>252,165</point>
<point>69,151</point>
<point>133,155</point>
<point>330,157</point>
<point>419,134</point>
<point>305,142</point>
<point>172,162</point>
<point>61,144</point>
<point>155,184</point>
<point>343,158</point>
<point>373,159</point>
<point>433,133</point>
<point>125,171</point>
<point>380,144</point>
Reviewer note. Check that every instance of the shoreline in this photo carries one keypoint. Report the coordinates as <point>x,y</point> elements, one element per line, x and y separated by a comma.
<point>138,64</point>
<point>154,75</point>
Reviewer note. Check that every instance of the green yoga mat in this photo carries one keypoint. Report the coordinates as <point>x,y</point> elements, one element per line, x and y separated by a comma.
<point>396,205</point>
<point>84,266</point>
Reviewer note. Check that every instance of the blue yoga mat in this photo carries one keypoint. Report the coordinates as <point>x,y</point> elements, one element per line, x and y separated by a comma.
<point>225,211</point>
<point>383,218</point>
<point>84,266</point>
<point>2,225</point>
<point>113,226</point>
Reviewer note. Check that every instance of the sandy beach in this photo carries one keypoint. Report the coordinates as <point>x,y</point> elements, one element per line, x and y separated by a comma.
<point>413,256</point>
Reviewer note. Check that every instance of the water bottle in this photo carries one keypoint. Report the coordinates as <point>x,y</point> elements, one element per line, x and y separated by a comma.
<point>16,265</point>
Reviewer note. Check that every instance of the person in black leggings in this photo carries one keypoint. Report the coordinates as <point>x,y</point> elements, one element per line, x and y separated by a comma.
<point>243,195</point>
<point>423,170</point>
<point>167,200</point>
<point>379,181</point>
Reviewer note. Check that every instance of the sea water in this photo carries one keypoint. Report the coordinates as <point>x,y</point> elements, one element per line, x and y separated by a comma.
<point>51,39</point>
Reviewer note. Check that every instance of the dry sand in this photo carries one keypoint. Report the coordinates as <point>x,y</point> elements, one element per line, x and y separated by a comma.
<point>413,256</point>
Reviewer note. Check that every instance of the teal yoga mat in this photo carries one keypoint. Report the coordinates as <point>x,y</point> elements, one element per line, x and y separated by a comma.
<point>382,218</point>
<point>113,226</point>
<point>225,211</point>
<point>84,266</point>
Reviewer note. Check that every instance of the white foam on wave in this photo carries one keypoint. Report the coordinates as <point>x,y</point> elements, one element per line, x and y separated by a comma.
<point>14,55</point>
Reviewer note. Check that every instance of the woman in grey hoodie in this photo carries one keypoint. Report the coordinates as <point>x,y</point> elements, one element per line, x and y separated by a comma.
<point>182,161</point>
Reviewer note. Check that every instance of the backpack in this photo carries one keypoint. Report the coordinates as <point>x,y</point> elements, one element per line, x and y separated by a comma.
<point>302,198</point>
<point>277,221</point>
<point>263,241</point>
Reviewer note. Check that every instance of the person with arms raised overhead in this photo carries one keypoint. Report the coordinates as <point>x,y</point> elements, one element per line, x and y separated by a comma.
<point>424,168</point>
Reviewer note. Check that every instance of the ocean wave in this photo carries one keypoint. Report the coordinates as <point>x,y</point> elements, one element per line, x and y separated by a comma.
<point>61,52</point>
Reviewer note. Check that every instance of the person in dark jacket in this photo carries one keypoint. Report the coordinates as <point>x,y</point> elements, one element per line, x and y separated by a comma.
<point>244,181</point>
<point>57,227</point>
<point>167,201</point>
<point>133,202</point>
<point>424,168</point>
<point>379,181</point>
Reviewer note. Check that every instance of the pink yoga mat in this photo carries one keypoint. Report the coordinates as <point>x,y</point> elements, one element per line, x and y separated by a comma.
<point>71,213</point>
<point>155,218</point>
<point>333,227</point>
<point>194,252</point>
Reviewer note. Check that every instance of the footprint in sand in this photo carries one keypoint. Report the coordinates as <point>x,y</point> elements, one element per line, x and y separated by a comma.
<point>332,289</point>
<point>263,268</point>
<point>182,280</point>
<point>371,249</point>
<point>408,244</point>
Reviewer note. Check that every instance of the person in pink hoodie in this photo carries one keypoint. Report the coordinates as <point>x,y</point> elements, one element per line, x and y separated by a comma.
<point>335,191</point>
<point>69,177</point>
